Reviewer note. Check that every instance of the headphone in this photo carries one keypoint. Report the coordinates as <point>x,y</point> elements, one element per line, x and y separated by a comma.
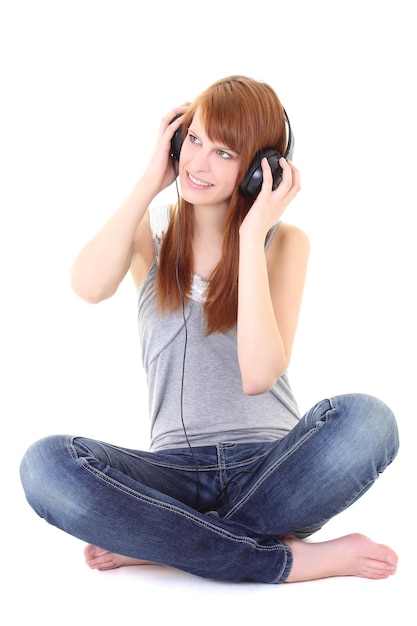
<point>252,181</point>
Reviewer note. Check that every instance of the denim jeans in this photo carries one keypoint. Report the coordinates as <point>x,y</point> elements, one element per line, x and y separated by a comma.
<point>214,511</point>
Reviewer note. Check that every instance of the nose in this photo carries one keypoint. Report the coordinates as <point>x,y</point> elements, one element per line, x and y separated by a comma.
<point>200,161</point>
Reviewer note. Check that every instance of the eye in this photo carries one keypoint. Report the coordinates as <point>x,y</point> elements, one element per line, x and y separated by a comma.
<point>224,154</point>
<point>193,138</point>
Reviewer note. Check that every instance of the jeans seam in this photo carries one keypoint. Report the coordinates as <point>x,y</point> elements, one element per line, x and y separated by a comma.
<point>178,511</point>
<point>325,418</point>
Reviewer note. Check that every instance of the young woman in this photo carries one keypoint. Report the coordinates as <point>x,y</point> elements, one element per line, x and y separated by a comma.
<point>235,478</point>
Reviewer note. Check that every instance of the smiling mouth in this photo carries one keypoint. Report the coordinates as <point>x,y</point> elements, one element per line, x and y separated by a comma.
<point>196,181</point>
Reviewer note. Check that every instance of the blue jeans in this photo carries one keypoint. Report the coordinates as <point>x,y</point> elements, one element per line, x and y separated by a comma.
<point>214,511</point>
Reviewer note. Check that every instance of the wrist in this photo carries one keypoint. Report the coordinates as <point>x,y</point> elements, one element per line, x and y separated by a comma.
<point>251,238</point>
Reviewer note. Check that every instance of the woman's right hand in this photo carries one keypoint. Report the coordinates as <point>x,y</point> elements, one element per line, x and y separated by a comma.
<point>161,170</point>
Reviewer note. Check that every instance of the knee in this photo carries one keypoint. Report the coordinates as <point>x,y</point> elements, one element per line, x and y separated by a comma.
<point>41,468</point>
<point>372,423</point>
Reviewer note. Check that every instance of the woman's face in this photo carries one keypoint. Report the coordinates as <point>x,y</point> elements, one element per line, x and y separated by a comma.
<point>208,171</point>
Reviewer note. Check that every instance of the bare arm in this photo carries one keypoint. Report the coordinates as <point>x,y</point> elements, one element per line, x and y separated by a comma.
<point>270,285</point>
<point>124,241</point>
<point>104,261</point>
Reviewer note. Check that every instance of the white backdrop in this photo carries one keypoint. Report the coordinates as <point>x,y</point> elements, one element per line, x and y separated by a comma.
<point>84,85</point>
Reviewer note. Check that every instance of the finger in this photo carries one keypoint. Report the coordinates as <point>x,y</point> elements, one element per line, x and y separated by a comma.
<point>266,175</point>
<point>174,116</point>
<point>295,176</point>
<point>284,180</point>
<point>286,168</point>
<point>290,177</point>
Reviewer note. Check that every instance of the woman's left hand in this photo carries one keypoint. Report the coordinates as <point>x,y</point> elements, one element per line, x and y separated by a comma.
<point>271,204</point>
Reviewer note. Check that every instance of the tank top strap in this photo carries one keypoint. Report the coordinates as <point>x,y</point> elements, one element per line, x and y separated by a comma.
<point>271,234</point>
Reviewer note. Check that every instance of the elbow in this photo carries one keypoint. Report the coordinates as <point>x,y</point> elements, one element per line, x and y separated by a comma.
<point>255,386</point>
<point>255,383</point>
<point>88,291</point>
<point>255,389</point>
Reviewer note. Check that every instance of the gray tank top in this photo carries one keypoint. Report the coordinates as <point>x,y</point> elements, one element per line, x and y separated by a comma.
<point>214,408</point>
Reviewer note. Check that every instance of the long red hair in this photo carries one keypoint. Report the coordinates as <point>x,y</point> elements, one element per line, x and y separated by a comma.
<point>246,116</point>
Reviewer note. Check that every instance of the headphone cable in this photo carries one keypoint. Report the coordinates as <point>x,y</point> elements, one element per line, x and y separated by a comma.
<point>185,337</point>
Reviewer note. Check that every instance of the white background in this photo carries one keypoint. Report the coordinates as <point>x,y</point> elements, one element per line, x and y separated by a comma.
<point>84,85</point>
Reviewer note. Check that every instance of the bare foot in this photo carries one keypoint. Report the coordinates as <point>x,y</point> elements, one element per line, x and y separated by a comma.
<point>351,555</point>
<point>102,560</point>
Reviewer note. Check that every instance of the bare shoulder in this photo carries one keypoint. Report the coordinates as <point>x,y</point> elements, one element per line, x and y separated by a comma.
<point>289,240</point>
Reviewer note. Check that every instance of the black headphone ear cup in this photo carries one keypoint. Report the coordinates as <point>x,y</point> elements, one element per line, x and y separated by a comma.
<point>252,182</point>
<point>176,143</point>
